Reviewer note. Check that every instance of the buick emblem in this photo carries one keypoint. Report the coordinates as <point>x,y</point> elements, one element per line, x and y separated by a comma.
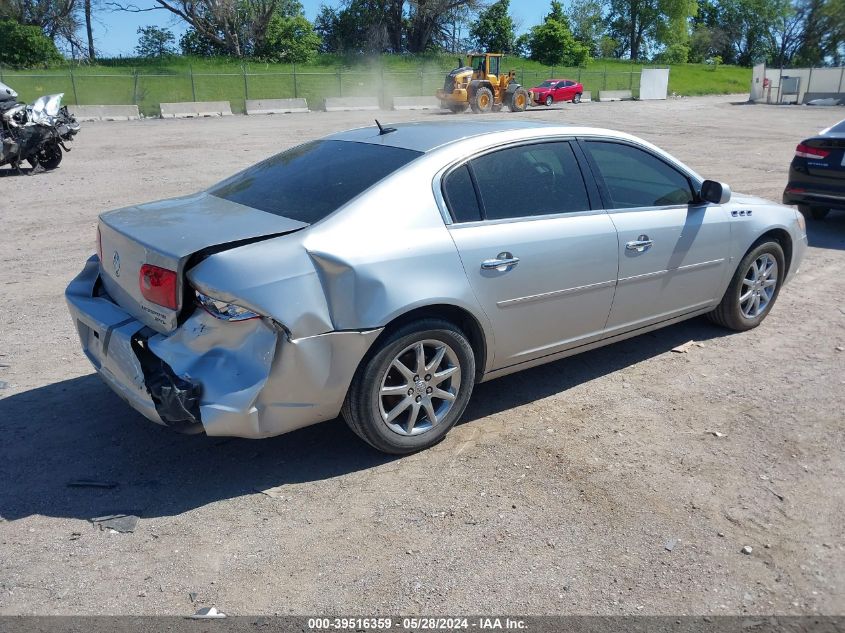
<point>115,262</point>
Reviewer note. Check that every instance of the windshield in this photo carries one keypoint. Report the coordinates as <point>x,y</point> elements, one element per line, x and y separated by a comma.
<point>309,182</point>
<point>547,84</point>
<point>478,64</point>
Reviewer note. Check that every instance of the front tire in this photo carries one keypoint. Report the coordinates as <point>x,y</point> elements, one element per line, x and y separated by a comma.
<point>49,156</point>
<point>482,101</point>
<point>412,388</point>
<point>753,290</point>
<point>549,101</point>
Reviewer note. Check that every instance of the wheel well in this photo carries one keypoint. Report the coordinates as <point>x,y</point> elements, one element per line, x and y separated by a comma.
<point>781,237</point>
<point>456,316</point>
<point>475,85</point>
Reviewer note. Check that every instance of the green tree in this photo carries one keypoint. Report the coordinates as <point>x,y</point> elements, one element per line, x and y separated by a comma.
<point>193,44</point>
<point>291,40</point>
<point>494,30</point>
<point>822,39</point>
<point>237,26</point>
<point>586,17</point>
<point>57,19</point>
<point>362,26</point>
<point>154,41</point>
<point>745,31</point>
<point>26,46</point>
<point>637,23</point>
<point>552,42</point>
<point>609,47</point>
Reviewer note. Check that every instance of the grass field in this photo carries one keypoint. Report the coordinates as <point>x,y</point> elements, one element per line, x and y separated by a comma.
<point>149,83</point>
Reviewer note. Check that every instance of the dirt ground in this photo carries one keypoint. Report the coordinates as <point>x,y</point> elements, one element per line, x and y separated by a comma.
<point>558,493</point>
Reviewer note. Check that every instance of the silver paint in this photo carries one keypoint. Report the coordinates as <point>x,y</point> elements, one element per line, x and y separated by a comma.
<point>327,291</point>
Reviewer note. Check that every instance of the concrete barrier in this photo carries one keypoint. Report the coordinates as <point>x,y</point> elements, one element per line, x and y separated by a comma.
<point>276,106</point>
<point>416,103</point>
<point>105,112</point>
<point>587,96</point>
<point>615,95</point>
<point>195,109</point>
<point>350,104</point>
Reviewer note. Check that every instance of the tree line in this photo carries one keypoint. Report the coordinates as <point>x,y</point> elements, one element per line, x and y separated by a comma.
<point>743,32</point>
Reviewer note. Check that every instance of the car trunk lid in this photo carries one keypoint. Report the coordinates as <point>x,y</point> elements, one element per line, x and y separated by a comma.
<point>832,165</point>
<point>167,234</point>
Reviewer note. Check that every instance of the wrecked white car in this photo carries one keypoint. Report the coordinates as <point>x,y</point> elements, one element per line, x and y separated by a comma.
<point>382,272</point>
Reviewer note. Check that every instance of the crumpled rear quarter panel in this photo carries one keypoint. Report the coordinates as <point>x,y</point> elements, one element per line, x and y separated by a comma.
<point>256,381</point>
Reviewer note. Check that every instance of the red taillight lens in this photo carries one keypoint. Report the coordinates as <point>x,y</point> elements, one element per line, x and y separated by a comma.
<point>99,245</point>
<point>805,151</point>
<point>158,285</point>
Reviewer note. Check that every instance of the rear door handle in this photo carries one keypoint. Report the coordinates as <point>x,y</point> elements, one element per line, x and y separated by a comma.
<point>640,245</point>
<point>503,262</point>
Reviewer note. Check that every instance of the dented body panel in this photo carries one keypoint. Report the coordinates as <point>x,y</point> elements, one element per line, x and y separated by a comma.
<point>256,380</point>
<point>316,297</point>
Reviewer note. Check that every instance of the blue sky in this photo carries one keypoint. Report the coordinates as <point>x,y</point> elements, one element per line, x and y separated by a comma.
<point>115,32</point>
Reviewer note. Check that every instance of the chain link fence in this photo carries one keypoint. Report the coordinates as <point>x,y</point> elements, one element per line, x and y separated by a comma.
<point>148,88</point>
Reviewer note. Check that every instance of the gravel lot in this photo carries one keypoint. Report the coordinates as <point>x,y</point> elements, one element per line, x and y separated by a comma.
<point>557,493</point>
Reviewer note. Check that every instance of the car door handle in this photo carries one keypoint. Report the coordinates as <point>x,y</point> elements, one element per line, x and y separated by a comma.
<point>503,261</point>
<point>640,245</point>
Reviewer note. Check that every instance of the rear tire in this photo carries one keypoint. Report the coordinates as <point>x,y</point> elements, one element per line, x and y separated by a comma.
<point>482,101</point>
<point>392,384</point>
<point>753,290</point>
<point>577,98</point>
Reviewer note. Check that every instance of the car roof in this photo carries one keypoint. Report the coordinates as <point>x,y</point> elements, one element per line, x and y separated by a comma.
<point>425,136</point>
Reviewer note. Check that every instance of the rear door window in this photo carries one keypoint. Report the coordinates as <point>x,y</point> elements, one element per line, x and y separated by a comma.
<point>460,196</point>
<point>530,180</point>
<point>311,181</point>
<point>634,177</point>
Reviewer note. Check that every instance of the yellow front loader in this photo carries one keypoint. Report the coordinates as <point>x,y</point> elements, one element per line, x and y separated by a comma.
<point>480,86</point>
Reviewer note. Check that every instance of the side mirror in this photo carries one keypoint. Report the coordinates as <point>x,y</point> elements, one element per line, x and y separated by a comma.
<point>715,192</point>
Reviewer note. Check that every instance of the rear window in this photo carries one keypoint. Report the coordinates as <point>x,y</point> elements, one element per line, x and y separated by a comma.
<point>839,128</point>
<point>309,182</point>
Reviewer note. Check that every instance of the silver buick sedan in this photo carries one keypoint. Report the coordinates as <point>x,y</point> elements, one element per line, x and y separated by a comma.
<point>382,272</point>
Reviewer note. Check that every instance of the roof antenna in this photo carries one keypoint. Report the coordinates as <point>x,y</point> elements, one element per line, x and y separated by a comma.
<point>384,130</point>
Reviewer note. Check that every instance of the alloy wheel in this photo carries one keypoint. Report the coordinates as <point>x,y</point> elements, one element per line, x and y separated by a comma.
<point>758,286</point>
<point>419,387</point>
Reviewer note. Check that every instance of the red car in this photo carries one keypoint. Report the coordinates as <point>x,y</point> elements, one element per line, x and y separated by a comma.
<point>554,90</point>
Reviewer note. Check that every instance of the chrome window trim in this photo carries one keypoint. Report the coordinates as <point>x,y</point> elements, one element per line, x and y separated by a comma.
<point>664,207</point>
<point>528,218</point>
<point>694,179</point>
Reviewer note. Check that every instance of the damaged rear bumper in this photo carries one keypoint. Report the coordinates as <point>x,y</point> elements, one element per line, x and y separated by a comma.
<point>246,379</point>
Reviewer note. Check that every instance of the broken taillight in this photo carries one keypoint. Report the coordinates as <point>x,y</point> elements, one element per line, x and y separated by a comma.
<point>158,285</point>
<point>805,151</point>
<point>224,310</point>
